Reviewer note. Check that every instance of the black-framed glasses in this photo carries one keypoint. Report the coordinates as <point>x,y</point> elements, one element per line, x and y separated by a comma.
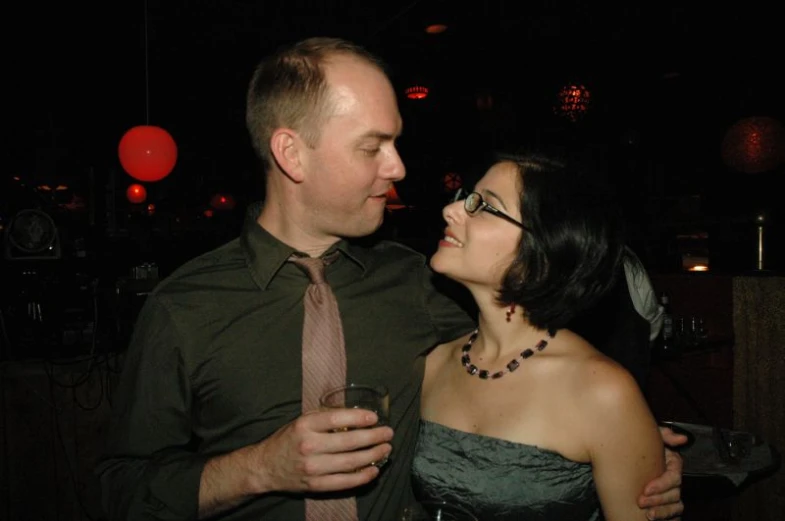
<point>474,203</point>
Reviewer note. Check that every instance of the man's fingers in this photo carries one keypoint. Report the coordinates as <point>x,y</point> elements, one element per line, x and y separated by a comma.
<point>667,505</point>
<point>343,481</point>
<point>344,451</point>
<point>668,499</point>
<point>340,419</point>
<point>671,438</point>
<point>359,459</point>
<point>336,450</point>
<point>349,441</point>
<point>670,512</point>
<point>346,470</point>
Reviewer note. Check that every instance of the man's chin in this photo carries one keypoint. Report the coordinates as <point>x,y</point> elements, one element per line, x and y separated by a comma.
<point>366,227</point>
<point>360,224</point>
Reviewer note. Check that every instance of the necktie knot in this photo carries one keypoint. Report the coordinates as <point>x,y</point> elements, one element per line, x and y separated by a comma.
<point>314,267</point>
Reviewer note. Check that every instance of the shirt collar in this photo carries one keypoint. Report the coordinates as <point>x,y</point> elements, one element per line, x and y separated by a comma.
<point>265,255</point>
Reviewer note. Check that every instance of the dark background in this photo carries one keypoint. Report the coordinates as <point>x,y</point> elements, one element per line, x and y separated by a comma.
<point>667,82</point>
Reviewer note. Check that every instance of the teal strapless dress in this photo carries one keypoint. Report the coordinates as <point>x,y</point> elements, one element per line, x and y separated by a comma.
<point>500,480</point>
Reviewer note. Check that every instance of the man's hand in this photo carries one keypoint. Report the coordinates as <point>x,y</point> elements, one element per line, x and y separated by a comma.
<point>318,452</point>
<point>662,496</point>
<point>321,452</point>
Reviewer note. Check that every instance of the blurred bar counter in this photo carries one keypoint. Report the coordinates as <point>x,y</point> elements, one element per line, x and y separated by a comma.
<point>734,378</point>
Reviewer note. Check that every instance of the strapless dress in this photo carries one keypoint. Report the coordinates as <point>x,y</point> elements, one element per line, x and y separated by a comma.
<point>500,480</point>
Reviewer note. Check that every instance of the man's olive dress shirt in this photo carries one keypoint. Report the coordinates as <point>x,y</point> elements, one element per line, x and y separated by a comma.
<point>214,365</point>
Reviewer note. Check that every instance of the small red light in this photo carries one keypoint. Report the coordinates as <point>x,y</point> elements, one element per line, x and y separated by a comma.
<point>222,202</point>
<point>416,92</point>
<point>136,193</point>
<point>435,28</point>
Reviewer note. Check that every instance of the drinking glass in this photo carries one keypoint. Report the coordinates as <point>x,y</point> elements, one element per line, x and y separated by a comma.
<point>436,511</point>
<point>374,398</point>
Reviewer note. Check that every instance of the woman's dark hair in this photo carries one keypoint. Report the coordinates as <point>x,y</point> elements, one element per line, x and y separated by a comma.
<point>570,255</point>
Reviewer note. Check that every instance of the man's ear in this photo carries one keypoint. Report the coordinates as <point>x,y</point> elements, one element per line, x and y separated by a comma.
<point>285,146</point>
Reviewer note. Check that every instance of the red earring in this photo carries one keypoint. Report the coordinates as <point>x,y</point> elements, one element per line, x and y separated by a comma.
<point>510,311</point>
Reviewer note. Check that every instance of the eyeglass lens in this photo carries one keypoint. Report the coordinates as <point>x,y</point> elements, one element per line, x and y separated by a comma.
<point>473,202</point>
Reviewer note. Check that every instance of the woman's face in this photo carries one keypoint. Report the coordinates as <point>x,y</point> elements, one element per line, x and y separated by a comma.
<point>477,249</point>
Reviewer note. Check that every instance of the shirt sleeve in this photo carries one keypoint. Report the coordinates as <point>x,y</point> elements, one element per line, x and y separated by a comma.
<point>449,305</point>
<point>643,297</point>
<point>147,470</point>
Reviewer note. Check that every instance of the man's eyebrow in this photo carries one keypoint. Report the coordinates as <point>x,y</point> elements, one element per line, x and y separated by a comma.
<point>381,136</point>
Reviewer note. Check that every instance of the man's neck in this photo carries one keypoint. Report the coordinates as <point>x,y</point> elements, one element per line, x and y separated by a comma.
<point>293,234</point>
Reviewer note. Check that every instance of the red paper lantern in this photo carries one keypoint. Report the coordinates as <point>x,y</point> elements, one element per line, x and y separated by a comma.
<point>754,145</point>
<point>147,153</point>
<point>452,181</point>
<point>573,101</point>
<point>136,193</point>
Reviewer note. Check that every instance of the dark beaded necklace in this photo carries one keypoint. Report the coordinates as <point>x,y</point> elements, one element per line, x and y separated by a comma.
<point>511,366</point>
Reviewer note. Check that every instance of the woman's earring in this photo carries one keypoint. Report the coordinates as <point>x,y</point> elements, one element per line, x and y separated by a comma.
<point>510,311</point>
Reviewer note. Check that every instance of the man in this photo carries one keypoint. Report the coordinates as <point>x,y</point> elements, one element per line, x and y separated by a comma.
<point>207,419</point>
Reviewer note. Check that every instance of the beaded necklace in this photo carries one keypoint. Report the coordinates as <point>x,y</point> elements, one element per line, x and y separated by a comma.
<point>513,364</point>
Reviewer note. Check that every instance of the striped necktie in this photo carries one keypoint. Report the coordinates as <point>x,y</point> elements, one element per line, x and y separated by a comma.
<point>323,366</point>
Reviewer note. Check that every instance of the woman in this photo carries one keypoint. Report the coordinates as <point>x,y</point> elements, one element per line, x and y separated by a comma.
<point>524,419</point>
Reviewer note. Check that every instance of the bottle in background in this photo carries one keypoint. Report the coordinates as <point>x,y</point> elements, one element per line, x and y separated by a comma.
<point>667,344</point>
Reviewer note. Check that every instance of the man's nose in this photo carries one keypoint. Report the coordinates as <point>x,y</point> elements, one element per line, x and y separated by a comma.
<point>394,168</point>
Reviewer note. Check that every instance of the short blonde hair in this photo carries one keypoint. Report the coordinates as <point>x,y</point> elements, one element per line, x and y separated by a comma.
<point>289,89</point>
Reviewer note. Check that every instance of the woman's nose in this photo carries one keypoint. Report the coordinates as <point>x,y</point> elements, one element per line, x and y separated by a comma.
<point>454,212</point>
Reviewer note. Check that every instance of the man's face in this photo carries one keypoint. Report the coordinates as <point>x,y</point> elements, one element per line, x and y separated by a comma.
<point>355,161</point>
